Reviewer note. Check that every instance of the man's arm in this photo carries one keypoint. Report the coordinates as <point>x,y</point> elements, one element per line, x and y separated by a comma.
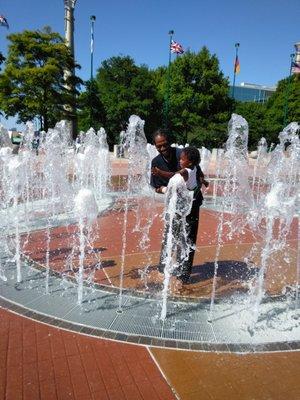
<point>167,174</point>
<point>163,174</point>
<point>155,183</point>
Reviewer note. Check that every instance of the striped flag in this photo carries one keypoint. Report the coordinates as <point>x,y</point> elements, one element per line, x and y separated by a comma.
<point>92,40</point>
<point>93,19</point>
<point>176,47</point>
<point>3,21</point>
<point>237,67</point>
<point>296,68</point>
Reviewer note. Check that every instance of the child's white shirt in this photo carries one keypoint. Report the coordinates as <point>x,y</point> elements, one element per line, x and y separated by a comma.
<point>191,183</point>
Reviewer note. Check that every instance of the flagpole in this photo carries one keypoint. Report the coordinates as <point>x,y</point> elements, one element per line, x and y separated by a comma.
<point>237,45</point>
<point>285,117</point>
<point>167,95</point>
<point>92,19</point>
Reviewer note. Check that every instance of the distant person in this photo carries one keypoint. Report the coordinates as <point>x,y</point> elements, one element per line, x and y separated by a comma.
<point>165,165</point>
<point>36,142</point>
<point>77,144</point>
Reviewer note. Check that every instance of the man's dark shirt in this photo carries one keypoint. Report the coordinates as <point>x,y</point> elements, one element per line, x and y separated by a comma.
<point>160,162</point>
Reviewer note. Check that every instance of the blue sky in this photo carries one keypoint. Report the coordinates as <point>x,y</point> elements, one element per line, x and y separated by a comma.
<point>265,29</point>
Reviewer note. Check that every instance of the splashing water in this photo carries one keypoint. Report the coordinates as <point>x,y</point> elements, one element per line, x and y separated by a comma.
<point>260,164</point>
<point>278,204</point>
<point>178,204</point>
<point>274,205</point>
<point>237,196</point>
<point>134,141</point>
<point>219,161</point>
<point>86,210</point>
<point>16,177</point>
<point>265,199</point>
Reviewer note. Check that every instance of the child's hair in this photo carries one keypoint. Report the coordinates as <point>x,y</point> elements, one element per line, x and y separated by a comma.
<point>192,154</point>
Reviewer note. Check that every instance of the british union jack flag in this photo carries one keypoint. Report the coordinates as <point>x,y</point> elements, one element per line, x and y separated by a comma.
<point>3,21</point>
<point>176,47</point>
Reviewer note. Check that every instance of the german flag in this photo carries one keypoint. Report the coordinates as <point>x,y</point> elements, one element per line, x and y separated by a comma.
<point>237,67</point>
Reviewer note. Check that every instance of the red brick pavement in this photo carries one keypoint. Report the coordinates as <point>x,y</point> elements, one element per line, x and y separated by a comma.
<point>108,243</point>
<point>40,362</point>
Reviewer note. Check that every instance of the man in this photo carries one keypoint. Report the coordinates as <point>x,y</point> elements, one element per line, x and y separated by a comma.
<point>168,160</point>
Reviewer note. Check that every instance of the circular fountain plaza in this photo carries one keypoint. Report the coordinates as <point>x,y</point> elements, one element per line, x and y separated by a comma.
<point>81,233</point>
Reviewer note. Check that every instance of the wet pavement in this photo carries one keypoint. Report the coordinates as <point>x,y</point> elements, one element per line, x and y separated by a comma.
<point>41,358</point>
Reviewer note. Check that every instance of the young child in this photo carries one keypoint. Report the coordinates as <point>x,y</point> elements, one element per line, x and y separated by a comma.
<point>190,170</point>
<point>194,178</point>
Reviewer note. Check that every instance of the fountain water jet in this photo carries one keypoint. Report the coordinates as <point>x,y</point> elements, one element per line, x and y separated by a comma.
<point>47,199</point>
<point>236,193</point>
<point>16,177</point>
<point>134,141</point>
<point>178,205</point>
<point>86,210</point>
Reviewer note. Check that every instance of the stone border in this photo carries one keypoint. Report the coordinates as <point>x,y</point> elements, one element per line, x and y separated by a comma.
<point>150,341</point>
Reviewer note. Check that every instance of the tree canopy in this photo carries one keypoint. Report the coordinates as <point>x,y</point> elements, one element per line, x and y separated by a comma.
<point>34,83</point>
<point>91,111</point>
<point>254,113</point>
<point>199,100</point>
<point>199,103</point>
<point>283,107</point>
<point>126,89</point>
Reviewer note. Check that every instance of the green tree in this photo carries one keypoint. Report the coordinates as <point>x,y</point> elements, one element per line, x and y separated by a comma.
<point>91,111</point>
<point>198,102</point>
<point>126,89</point>
<point>254,113</point>
<point>283,107</point>
<point>33,83</point>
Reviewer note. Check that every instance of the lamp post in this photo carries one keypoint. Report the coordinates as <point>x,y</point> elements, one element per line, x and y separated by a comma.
<point>237,45</point>
<point>287,91</point>
<point>69,36</point>
<point>167,94</point>
<point>91,86</point>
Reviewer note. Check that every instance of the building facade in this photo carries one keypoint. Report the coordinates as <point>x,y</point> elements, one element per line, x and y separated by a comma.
<point>251,92</point>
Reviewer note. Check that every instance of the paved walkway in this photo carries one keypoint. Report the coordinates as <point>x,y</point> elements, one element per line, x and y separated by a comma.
<point>39,362</point>
<point>213,376</point>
